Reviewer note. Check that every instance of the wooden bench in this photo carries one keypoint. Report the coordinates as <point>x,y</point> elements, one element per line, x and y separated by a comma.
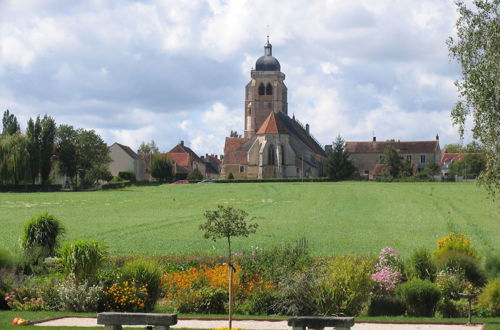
<point>319,322</point>
<point>114,321</point>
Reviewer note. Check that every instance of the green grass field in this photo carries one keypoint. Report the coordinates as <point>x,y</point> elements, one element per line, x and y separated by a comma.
<point>336,218</point>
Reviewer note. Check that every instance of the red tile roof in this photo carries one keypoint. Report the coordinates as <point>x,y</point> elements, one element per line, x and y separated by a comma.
<point>273,125</point>
<point>451,157</point>
<point>402,147</point>
<point>231,153</point>
<point>181,159</point>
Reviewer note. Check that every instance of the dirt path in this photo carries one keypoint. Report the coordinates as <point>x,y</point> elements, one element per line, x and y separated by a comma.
<point>262,325</point>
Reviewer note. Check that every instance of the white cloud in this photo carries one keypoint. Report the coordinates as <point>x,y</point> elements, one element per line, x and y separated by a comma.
<point>176,69</point>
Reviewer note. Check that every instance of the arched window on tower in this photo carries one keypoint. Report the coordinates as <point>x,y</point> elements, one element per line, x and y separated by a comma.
<point>262,89</point>
<point>271,155</point>
<point>269,89</point>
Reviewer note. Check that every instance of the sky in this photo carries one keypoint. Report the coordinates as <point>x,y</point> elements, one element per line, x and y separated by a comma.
<point>167,70</point>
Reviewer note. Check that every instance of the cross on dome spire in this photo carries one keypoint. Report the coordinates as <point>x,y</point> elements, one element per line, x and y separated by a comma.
<point>268,48</point>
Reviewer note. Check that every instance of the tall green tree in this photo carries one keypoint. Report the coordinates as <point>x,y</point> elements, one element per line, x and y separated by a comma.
<point>339,166</point>
<point>477,50</point>
<point>10,124</point>
<point>226,222</point>
<point>47,150</point>
<point>393,162</point>
<point>160,167</point>
<point>14,159</point>
<point>66,140</point>
<point>91,152</point>
<point>148,148</point>
<point>470,167</point>
<point>33,133</point>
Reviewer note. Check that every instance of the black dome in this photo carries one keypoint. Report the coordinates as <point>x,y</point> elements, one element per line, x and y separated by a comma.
<point>267,63</point>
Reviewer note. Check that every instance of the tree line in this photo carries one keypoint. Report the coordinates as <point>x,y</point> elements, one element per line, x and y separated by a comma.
<point>45,150</point>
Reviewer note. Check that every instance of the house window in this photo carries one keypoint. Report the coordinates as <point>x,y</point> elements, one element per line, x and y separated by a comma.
<point>282,155</point>
<point>269,89</point>
<point>271,155</point>
<point>262,89</point>
<point>381,158</point>
<point>242,169</point>
<point>422,159</point>
<point>408,158</point>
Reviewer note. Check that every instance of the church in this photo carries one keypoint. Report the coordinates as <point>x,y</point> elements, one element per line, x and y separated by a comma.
<point>274,145</point>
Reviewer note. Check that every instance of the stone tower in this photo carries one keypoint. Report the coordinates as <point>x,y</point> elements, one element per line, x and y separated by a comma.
<point>265,93</point>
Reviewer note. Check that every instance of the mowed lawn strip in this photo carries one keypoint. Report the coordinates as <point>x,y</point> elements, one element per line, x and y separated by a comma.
<point>335,218</point>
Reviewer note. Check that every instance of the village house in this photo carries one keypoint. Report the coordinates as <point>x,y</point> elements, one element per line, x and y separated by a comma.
<point>368,156</point>
<point>124,159</point>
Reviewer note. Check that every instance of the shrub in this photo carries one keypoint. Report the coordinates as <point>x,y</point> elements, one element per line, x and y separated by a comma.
<point>296,294</point>
<point>490,297</point>
<point>470,266</point>
<point>49,290</point>
<point>125,297</point>
<point>345,287</point>
<point>127,176</point>
<point>387,272</point>
<point>82,297</point>
<point>420,297</point>
<point>450,283</point>
<point>230,176</point>
<point>206,300</point>
<point>420,265</point>
<point>26,297</point>
<point>454,308</point>
<point>40,236</point>
<point>181,288</point>
<point>82,259</point>
<point>6,259</point>
<point>455,242</point>
<point>277,263</point>
<point>386,306</point>
<point>145,273</point>
<point>195,175</point>
<point>492,265</point>
<point>259,302</point>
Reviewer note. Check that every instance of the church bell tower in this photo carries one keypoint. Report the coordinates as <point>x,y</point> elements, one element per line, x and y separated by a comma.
<point>266,92</point>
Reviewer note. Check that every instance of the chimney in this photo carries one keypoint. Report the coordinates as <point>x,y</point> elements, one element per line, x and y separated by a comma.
<point>307,128</point>
<point>374,139</point>
<point>437,137</point>
<point>182,143</point>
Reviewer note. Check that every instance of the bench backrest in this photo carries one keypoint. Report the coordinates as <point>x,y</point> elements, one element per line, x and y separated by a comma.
<point>113,318</point>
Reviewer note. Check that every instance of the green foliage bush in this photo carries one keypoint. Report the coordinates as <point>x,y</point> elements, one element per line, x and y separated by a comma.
<point>459,261</point>
<point>386,306</point>
<point>453,308</point>
<point>230,176</point>
<point>6,259</point>
<point>420,297</point>
<point>490,297</point>
<point>276,263</point>
<point>296,294</point>
<point>82,259</point>
<point>144,272</point>
<point>206,300</point>
<point>127,176</point>
<point>421,265</point>
<point>492,265</point>
<point>26,297</point>
<point>450,283</point>
<point>259,302</point>
<point>345,286</point>
<point>79,297</point>
<point>40,236</point>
